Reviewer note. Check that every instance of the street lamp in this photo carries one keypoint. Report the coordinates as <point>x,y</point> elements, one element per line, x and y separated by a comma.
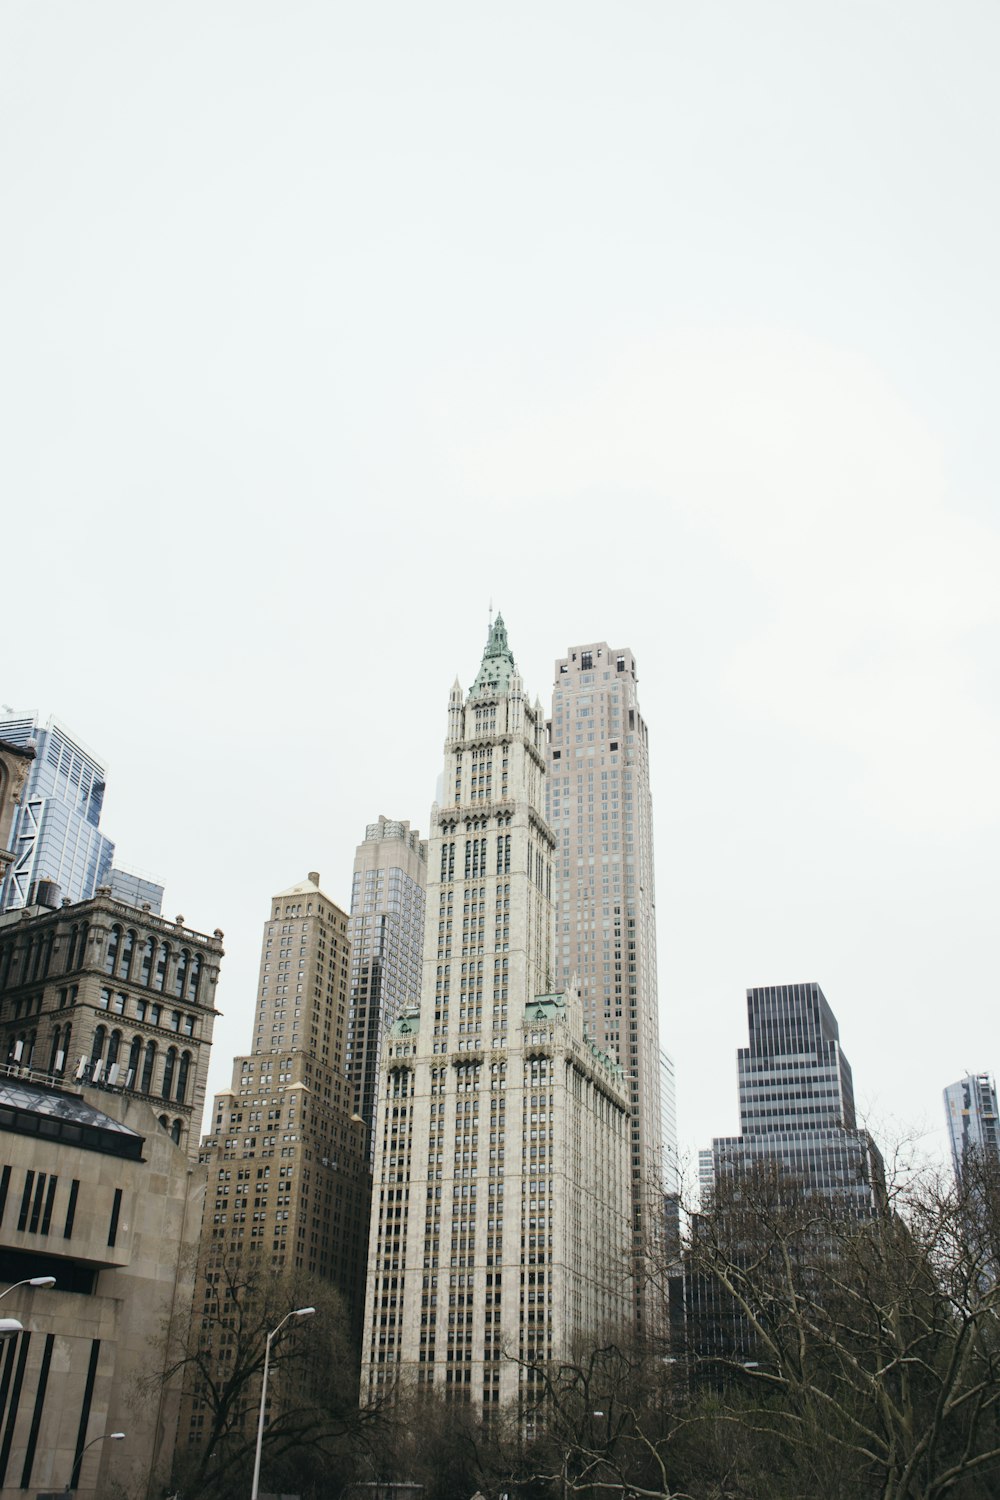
<point>104,1437</point>
<point>31,1281</point>
<point>9,1327</point>
<point>297,1312</point>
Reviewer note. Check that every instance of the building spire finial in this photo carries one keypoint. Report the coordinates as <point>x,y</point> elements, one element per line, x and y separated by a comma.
<point>498,661</point>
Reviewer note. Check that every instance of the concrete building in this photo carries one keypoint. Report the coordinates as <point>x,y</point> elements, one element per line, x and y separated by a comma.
<point>386,930</point>
<point>600,807</point>
<point>94,1193</point>
<point>797,1100</point>
<point>288,1176</point>
<point>101,993</point>
<point>501,1201</point>
<point>973,1121</point>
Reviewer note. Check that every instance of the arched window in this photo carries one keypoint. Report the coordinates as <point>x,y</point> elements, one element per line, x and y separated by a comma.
<point>71,946</point>
<point>180,979</point>
<point>182,1077</point>
<point>67,1039</point>
<point>147,961</point>
<point>97,1050</point>
<point>125,960</point>
<point>29,1056</point>
<point>149,1061</point>
<point>114,944</point>
<point>114,1047</point>
<point>54,1054</point>
<point>168,1072</point>
<point>162,959</point>
<point>81,953</point>
<point>194,977</point>
<point>134,1054</point>
<point>175,1132</point>
<point>164,1122</point>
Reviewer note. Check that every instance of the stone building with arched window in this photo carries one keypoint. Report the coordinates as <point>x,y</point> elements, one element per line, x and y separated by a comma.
<point>109,996</point>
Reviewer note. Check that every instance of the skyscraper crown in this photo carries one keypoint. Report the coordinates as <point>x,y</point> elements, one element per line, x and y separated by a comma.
<point>497,666</point>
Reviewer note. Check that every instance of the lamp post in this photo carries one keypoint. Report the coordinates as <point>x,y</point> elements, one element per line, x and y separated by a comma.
<point>9,1327</point>
<point>104,1437</point>
<point>297,1312</point>
<point>30,1281</point>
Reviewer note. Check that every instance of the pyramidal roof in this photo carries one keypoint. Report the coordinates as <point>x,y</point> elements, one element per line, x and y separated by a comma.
<point>307,887</point>
<point>497,666</point>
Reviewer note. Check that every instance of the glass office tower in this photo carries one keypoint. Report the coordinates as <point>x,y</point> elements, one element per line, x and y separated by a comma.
<point>56,835</point>
<point>386,930</point>
<point>797,1099</point>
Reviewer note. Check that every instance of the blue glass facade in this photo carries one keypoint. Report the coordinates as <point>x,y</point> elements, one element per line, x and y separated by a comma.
<point>56,835</point>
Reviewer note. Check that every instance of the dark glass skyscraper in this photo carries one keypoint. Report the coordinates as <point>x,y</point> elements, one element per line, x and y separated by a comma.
<point>797,1098</point>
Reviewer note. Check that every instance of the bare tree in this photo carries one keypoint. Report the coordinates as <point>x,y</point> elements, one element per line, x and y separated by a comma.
<point>216,1353</point>
<point>872,1338</point>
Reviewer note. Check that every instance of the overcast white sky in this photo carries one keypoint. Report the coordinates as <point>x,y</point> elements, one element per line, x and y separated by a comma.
<point>671,324</point>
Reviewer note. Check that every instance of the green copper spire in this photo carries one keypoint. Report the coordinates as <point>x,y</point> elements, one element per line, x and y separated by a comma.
<point>497,665</point>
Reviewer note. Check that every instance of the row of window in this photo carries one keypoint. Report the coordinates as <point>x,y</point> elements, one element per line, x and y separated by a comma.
<point>151,965</point>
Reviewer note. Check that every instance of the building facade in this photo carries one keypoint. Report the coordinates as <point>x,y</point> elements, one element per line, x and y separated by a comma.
<point>94,1193</point>
<point>102,994</point>
<point>386,929</point>
<point>600,808</point>
<point>288,1176</point>
<point>973,1122</point>
<point>15,767</point>
<point>500,1207</point>
<point>797,1100</point>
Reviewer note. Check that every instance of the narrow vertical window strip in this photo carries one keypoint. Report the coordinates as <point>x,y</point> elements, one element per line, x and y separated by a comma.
<point>115,1212</point>
<point>71,1209</point>
<point>36,1415</point>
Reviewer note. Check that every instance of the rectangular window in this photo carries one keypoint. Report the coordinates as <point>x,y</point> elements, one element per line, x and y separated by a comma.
<point>36,1207</point>
<point>29,1182</point>
<point>71,1209</point>
<point>4,1185</point>
<point>49,1200</point>
<point>115,1213</point>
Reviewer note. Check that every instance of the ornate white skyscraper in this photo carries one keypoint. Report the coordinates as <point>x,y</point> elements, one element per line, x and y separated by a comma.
<point>600,808</point>
<point>500,1207</point>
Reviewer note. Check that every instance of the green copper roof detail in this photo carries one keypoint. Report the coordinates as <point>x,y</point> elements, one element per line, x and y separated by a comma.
<point>497,666</point>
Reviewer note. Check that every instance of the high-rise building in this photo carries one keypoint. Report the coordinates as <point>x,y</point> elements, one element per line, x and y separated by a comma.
<point>288,1176</point>
<point>136,890</point>
<point>600,808</point>
<point>101,993</point>
<point>797,1100</point>
<point>973,1121</point>
<point>56,835</point>
<point>386,930</point>
<point>500,1211</point>
<point>15,767</point>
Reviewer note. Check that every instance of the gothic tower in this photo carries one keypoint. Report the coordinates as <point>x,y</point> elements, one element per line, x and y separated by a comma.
<point>501,1204</point>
